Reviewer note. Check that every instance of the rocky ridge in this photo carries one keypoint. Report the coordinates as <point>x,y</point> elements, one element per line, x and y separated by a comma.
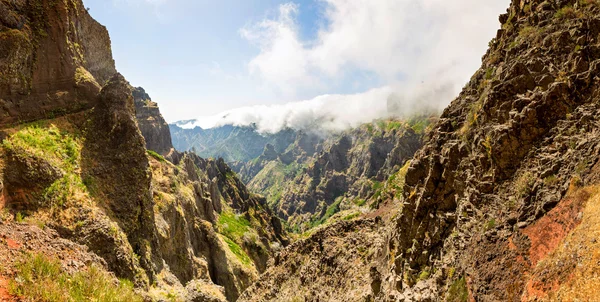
<point>54,58</point>
<point>498,204</point>
<point>316,177</point>
<point>176,225</point>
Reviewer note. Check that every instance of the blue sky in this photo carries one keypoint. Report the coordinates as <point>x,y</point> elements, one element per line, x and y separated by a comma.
<point>202,57</point>
<point>189,54</point>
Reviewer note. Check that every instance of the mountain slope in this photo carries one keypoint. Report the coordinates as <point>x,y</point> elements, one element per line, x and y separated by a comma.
<point>92,178</point>
<point>232,143</point>
<point>499,203</point>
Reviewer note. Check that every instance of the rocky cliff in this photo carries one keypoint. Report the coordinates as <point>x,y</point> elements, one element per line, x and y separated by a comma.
<point>178,227</point>
<point>500,203</point>
<point>317,177</point>
<point>232,143</point>
<point>153,126</point>
<point>506,160</point>
<point>53,58</point>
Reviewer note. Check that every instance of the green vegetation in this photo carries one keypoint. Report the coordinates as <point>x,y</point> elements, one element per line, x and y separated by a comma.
<point>331,210</point>
<point>377,188</point>
<point>81,74</point>
<point>458,291</point>
<point>59,149</point>
<point>393,125</point>
<point>238,251</point>
<point>19,217</point>
<point>524,183</point>
<point>567,12</point>
<point>157,156</point>
<point>360,202</point>
<point>472,116</point>
<point>551,180</point>
<point>233,226</point>
<point>424,275</point>
<point>490,224</point>
<point>41,279</point>
<point>273,179</point>
<point>489,73</point>
<point>351,216</point>
<point>420,123</point>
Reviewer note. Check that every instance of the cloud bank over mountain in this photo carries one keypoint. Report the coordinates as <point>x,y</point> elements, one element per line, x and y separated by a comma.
<point>421,50</point>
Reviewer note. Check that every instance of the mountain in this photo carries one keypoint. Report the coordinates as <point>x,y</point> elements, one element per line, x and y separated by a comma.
<point>232,143</point>
<point>309,176</point>
<point>496,200</point>
<point>316,177</point>
<point>95,203</point>
<point>499,204</point>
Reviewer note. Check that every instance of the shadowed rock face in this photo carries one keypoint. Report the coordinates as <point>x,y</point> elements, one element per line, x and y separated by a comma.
<point>153,126</point>
<point>314,173</point>
<point>53,59</point>
<point>496,191</point>
<point>116,158</point>
<point>504,152</point>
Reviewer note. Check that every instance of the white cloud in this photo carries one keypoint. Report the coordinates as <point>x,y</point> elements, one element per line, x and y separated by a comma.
<point>425,50</point>
<point>329,112</point>
<point>422,40</point>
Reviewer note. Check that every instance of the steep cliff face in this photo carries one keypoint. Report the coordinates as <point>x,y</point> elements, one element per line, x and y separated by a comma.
<point>500,204</point>
<point>506,159</point>
<point>153,126</point>
<point>317,177</point>
<point>54,57</point>
<point>183,228</point>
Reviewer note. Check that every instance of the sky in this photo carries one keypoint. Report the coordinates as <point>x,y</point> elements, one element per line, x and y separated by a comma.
<point>278,63</point>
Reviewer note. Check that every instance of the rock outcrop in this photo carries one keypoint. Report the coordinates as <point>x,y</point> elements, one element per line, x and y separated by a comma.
<point>316,177</point>
<point>520,138</point>
<point>500,203</point>
<point>54,58</point>
<point>153,126</point>
<point>101,171</point>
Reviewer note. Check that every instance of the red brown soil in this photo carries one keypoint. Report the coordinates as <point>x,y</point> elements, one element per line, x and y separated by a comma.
<point>5,296</point>
<point>546,233</point>
<point>545,236</point>
<point>12,244</point>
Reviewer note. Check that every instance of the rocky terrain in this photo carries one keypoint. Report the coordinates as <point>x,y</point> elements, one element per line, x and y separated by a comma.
<point>306,176</point>
<point>95,190</point>
<point>316,178</point>
<point>54,58</point>
<point>232,143</point>
<point>500,202</point>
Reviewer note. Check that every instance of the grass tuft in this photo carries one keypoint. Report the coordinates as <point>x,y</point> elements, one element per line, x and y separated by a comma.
<point>40,278</point>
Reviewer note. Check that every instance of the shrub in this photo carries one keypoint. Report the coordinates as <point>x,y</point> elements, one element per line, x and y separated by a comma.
<point>458,291</point>
<point>42,279</point>
<point>156,156</point>
<point>351,216</point>
<point>233,226</point>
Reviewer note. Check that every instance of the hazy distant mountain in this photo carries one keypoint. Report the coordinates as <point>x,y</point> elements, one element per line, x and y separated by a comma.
<point>232,143</point>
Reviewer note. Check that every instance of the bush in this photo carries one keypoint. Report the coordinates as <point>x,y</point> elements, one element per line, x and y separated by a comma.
<point>157,156</point>
<point>41,279</point>
<point>233,226</point>
<point>458,291</point>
